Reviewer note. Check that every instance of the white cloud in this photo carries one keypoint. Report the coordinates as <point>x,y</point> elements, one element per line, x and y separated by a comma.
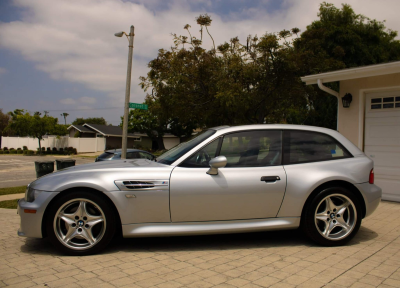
<point>67,101</point>
<point>3,70</point>
<point>88,100</point>
<point>74,40</point>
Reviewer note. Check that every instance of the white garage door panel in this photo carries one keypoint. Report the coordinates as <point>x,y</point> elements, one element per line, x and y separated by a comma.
<point>382,140</point>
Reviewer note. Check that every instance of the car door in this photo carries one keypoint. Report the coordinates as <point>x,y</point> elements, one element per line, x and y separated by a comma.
<point>237,192</point>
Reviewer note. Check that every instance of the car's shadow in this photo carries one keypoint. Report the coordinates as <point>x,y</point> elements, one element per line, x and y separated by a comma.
<point>288,238</point>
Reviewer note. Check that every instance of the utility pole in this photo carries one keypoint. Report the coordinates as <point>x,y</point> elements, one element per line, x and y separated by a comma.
<point>127,90</point>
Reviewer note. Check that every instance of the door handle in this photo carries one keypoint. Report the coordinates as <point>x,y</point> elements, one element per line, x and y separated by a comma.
<point>268,179</point>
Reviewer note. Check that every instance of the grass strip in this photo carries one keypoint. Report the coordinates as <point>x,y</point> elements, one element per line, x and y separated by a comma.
<point>12,190</point>
<point>9,204</point>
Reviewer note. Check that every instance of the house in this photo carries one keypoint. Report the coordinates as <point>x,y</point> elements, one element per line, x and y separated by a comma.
<point>113,136</point>
<point>369,116</point>
<point>83,131</point>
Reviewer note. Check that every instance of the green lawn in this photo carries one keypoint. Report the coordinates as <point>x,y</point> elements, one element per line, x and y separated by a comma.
<point>12,190</point>
<point>9,204</point>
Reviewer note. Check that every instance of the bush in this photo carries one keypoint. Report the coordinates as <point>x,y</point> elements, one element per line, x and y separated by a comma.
<point>20,151</point>
<point>1,152</point>
<point>25,152</point>
<point>5,149</point>
<point>30,152</point>
<point>43,149</point>
<point>74,151</point>
<point>6,152</point>
<point>13,151</point>
<point>48,150</point>
<point>54,150</point>
<point>24,148</point>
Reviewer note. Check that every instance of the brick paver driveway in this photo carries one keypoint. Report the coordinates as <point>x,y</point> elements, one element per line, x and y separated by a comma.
<point>270,259</point>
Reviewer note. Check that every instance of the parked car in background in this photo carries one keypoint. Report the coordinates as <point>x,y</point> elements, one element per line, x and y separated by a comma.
<point>225,180</point>
<point>115,154</point>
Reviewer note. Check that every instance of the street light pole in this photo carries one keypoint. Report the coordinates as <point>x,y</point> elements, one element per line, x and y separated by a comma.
<point>127,91</point>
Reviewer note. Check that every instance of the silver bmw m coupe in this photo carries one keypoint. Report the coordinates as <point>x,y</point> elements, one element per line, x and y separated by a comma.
<point>225,180</point>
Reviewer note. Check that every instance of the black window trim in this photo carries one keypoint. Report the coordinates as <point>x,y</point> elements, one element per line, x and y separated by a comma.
<point>284,132</point>
<point>221,138</point>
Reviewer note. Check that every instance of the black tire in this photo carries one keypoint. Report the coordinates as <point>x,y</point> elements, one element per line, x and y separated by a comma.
<point>98,206</point>
<point>315,228</point>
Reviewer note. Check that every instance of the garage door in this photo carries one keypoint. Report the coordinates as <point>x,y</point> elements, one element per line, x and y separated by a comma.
<point>382,140</point>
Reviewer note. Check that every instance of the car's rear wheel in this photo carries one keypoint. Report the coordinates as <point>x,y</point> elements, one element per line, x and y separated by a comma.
<point>80,223</point>
<point>332,217</point>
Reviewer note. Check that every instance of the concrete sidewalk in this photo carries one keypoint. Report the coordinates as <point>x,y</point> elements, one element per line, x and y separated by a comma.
<point>267,259</point>
<point>12,196</point>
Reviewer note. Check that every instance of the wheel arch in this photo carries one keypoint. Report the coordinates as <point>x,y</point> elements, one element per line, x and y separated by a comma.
<point>92,190</point>
<point>337,183</point>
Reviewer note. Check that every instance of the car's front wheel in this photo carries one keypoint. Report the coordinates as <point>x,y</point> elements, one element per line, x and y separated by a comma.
<point>332,217</point>
<point>80,223</point>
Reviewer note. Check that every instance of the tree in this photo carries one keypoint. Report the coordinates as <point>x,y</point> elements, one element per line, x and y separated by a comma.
<point>65,115</point>
<point>233,84</point>
<point>94,120</point>
<point>4,119</point>
<point>258,81</point>
<point>339,39</point>
<point>144,121</point>
<point>35,126</point>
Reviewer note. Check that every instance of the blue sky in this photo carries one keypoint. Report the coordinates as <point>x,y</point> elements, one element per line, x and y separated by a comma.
<point>61,55</point>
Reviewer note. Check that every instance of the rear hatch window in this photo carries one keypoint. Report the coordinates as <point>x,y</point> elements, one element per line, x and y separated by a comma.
<point>106,155</point>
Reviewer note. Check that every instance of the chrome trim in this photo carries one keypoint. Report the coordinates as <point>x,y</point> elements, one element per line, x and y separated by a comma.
<point>214,227</point>
<point>157,185</point>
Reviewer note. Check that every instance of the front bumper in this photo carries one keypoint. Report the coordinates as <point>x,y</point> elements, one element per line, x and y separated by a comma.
<point>31,224</point>
<point>372,196</point>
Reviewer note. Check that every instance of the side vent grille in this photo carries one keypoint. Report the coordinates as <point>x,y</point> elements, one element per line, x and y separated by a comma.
<point>145,185</point>
<point>137,184</point>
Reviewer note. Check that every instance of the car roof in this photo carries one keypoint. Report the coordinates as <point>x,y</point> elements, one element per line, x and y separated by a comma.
<point>117,151</point>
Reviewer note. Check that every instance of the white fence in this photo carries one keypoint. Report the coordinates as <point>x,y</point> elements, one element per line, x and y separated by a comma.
<point>82,145</point>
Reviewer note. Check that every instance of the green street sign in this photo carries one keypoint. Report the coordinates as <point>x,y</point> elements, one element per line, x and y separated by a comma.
<point>138,106</point>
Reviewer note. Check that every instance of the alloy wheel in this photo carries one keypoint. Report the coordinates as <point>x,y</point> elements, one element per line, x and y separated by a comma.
<point>335,217</point>
<point>79,224</point>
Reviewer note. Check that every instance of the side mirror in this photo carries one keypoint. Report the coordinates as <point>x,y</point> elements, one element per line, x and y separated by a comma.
<point>215,163</point>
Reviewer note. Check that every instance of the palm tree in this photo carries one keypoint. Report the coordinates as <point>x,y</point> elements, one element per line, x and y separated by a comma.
<point>65,115</point>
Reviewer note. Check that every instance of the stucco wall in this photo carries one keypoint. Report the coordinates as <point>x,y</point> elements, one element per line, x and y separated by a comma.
<point>351,120</point>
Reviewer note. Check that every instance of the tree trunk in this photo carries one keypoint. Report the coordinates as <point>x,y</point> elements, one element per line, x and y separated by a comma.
<point>40,147</point>
<point>160,142</point>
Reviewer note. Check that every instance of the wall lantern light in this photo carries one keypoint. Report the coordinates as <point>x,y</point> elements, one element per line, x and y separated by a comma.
<point>346,100</point>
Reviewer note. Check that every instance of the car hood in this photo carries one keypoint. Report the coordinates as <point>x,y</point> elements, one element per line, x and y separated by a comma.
<point>101,175</point>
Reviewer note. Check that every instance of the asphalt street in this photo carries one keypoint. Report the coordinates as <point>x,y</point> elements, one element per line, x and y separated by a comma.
<point>18,170</point>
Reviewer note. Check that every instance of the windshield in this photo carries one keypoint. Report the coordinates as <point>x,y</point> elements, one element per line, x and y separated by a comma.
<point>106,155</point>
<point>170,156</point>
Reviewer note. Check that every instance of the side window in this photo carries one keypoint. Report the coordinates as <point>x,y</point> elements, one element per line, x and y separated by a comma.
<point>146,155</point>
<point>203,156</point>
<point>252,148</point>
<point>306,146</point>
<point>132,155</point>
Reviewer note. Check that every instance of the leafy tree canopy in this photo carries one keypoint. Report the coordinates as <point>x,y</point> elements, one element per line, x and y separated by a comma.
<point>258,80</point>
<point>35,126</point>
<point>93,120</point>
<point>4,119</point>
<point>144,121</point>
<point>339,39</point>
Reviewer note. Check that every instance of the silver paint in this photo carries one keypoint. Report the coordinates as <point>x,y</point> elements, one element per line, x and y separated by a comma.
<point>190,195</point>
<point>215,227</point>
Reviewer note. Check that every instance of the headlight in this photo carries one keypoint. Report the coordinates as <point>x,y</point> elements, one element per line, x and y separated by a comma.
<point>30,194</point>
